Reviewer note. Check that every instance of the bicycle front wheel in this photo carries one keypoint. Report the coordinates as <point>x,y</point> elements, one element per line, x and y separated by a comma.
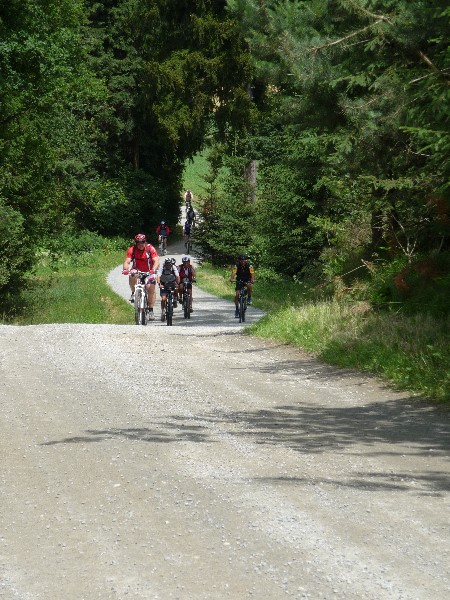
<point>169,309</point>
<point>144,309</point>
<point>241,308</point>
<point>186,313</point>
<point>137,306</point>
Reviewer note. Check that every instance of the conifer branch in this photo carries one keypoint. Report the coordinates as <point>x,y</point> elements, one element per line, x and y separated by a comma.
<point>346,37</point>
<point>369,14</point>
<point>432,66</point>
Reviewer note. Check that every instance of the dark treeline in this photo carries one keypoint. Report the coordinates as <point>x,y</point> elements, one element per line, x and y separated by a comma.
<point>326,122</point>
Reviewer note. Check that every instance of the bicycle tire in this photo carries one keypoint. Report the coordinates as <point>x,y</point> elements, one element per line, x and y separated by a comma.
<point>144,308</point>
<point>169,308</point>
<point>137,306</point>
<point>241,308</point>
<point>186,312</point>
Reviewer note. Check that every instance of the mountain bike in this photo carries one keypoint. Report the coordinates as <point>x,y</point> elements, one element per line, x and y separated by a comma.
<point>141,308</point>
<point>186,302</point>
<point>242,300</point>
<point>169,303</point>
<point>162,245</point>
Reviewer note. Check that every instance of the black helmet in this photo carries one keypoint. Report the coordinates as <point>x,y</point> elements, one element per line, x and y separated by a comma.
<point>242,257</point>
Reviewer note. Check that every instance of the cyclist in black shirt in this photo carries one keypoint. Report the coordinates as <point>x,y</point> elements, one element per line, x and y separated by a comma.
<point>243,272</point>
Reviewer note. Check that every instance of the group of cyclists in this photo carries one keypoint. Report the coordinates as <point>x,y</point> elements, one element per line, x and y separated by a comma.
<point>166,274</point>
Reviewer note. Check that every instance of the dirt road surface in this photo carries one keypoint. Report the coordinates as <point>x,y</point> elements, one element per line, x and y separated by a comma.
<point>194,462</point>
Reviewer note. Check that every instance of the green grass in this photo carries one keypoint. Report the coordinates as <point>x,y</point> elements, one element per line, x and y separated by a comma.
<point>77,292</point>
<point>411,352</point>
<point>193,177</point>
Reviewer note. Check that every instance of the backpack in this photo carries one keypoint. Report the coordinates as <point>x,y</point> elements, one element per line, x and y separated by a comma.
<point>167,277</point>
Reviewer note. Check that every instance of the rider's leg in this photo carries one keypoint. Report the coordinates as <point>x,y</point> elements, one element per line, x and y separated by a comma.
<point>236,303</point>
<point>236,299</point>
<point>249,293</point>
<point>163,298</point>
<point>180,292</point>
<point>132,280</point>
<point>163,304</point>
<point>151,294</point>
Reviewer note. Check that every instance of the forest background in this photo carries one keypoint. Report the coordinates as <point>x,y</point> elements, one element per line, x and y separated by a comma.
<point>324,123</point>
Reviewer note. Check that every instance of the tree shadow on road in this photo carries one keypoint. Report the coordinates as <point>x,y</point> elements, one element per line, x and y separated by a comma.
<point>161,433</point>
<point>419,430</point>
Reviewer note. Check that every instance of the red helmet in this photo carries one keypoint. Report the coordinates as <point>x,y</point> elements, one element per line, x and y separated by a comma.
<point>140,237</point>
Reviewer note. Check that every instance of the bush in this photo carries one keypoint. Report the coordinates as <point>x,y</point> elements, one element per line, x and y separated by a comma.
<point>13,264</point>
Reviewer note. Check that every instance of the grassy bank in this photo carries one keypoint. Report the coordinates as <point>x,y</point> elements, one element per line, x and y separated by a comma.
<point>410,352</point>
<point>70,290</point>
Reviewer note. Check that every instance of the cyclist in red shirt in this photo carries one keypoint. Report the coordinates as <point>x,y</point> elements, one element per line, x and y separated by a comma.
<point>186,271</point>
<point>142,257</point>
<point>163,231</point>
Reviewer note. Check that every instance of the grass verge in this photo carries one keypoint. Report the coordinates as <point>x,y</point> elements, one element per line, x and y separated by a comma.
<point>410,352</point>
<point>71,291</point>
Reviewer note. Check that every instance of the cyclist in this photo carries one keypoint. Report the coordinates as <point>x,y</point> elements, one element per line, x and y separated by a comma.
<point>142,257</point>
<point>186,270</point>
<point>187,231</point>
<point>168,278</point>
<point>190,215</point>
<point>163,231</point>
<point>243,271</point>
<point>187,198</point>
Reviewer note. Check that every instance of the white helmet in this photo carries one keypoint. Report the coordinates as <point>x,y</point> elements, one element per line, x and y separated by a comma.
<point>185,258</point>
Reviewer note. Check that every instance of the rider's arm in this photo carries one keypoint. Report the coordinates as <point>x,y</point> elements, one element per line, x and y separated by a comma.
<point>128,259</point>
<point>252,274</point>
<point>233,274</point>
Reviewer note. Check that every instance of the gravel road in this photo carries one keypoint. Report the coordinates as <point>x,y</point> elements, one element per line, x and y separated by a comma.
<point>194,462</point>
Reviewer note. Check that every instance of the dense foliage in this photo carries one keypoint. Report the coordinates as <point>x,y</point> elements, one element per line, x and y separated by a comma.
<point>101,103</point>
<point>352,143</point>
